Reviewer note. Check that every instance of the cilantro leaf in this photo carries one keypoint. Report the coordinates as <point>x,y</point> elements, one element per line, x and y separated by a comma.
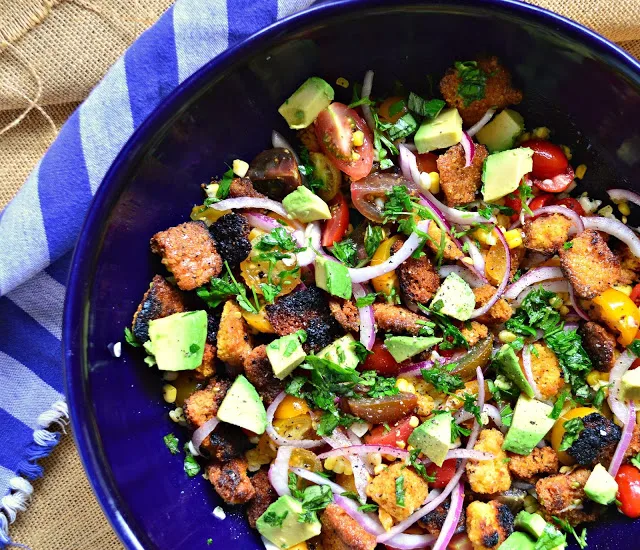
<point>130,338</point>
<point>368,508</point>
<point>403,127</point>
<point>573,428</point>
<point>636,461</point>
<point>422,107</point>
<point>271,517</point>
<point>473,81</point>
<point>346,251</point>
<point>225,185</point>
<point>373,236</point>
<point>191,466</point>
<point>307,169</point>
<point>558,405</point>
<point>366,300</point>
<point>400,491</point>
<point>419,466</point>
<point>635,347</point>
<point>171,441</point>
<point>568,528</point>
<point>441,378</point>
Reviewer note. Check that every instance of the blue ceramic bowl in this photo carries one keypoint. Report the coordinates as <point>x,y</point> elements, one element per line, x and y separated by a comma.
<point>575,82</point>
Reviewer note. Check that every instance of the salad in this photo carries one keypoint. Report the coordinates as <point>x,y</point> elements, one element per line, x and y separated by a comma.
<point>412,329</point>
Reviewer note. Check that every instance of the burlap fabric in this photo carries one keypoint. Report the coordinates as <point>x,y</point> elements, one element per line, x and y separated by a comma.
<point>63,48</point>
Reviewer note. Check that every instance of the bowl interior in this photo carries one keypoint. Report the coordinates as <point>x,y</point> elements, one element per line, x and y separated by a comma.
<point>583,89</point>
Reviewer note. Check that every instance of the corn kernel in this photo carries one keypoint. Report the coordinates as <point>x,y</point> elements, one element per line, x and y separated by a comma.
<point>414,422</point>
<point>348,471</point>
<point>342,82</point>
<point>624,209</point>
<point>379,469</point>
<point>514,238</point>
<point>564,310</point>
<point>485,237</point>
<point>525,137</point>
<point>435,182</point>
<point>177,415</point>
<point>595,378</point>
<point>506,336</point>
<point>625,289</point>
<point>401,444</point>
<point>211,190</point>
<point>358,138</point>
<point>375,459</point>
<point>405,386</point>
<point>556,302</point>
<point>467,260</point>
<point>240,168</point>
<point>567,151</point>
<point>329,463</point>
<point>580,171</point>
<point>542,132</point>
<point>169,392</point>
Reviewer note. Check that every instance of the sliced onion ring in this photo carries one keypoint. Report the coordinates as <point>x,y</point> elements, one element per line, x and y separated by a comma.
<point>528,372</point>
<point>451,521</point>
<point>318,479</point>
<point>408,164</point>
<point>532,277</point>
<point>478,268</point>
<point>250,202</point>
<point>576,305</point>
<point>624,195</point>
<point>578,225</point>
<point>283,441</point>
<point>481,123</point>
<point>279,471</point>
<point>456,216</point>
<point>203,431</point>
<point>505,279</point>
<point>367,320</point>
<point>625,440</point>
<point>367,86</point>
<point>616,228</point>
<point>469,149</point>
<point>470,277</point>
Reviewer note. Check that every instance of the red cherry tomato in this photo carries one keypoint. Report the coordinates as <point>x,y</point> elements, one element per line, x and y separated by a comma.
<point>381,361</point>
<point>635,295</point>
<point>400,431</point>
<point>515,204</point>
<point>334,129</point>
<point>635,364</point>
<point>444,474</point>
<point>544,199</point>
<point>556,184</point>
<point>336,227</point>
<point>427,162</point>
<point>628,479</point>
<point>549,159</point>
<point>572,204</point>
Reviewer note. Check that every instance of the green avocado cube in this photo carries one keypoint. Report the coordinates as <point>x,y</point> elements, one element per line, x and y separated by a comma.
<point>601,487</point>
<point>506,362</point>
<point>305,104</point>
<point>333,277</point>
<point>439,133</point>
<point>279,524</point>
<point>630,385</point>
<point>518,541</point>
<point>529,425</point>
<point>534,524</point>
<point>243,407</point>
<point>433,437</point>
<point>303,205</point>
<point>501,133</point>
<point>341,352</point>
<point>285,354</point>
<point>403,347</point>
<point>503,172</point>
<point>454,298</point>
<point>177,341</point>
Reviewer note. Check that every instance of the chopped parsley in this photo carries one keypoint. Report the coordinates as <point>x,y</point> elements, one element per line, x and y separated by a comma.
<point>366,300</point>
<point>224,287</point>
<point>473,81</point>
<point>346,251</point>
<point>573,428</point>
<point>270,291</point>
<point>348,494</point>
<point>274,519</point>
<point>470,404</point>
<point>441,378</point>
<point>368,508</point>
<point>635,347</point>
<point>224,185</point>
<point>636,461</point>
<point>422,107</point>
<point>525,192</point>
<point>550,539</point>
<point>314,498</point>
<point>419,466</point>
<point>558,405</point>
<point>373,236</point>
<point>400,491</point>
<point>361,351</point>
<point>567,245</point>
<point>191,466</point>
<point>568,528</point>
<point>457,431</point>
<point>403,127</point>
<point>209,542</point>
<point>308,170</point>
<point>171,441</point>
<point>130,338</point>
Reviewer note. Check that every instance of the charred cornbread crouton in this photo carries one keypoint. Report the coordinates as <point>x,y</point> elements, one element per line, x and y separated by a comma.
<point>258,371</point>
<point>546,234</point>
<point>226,442</point>
<point>634,445</point>
<point>242,187</point>
<point>161,300</point>
<point>346,313</point>
<point>418,279</point>
<point>213,324</point>
<point>341,532</point>
<point>265,495</point>
<point>202,405</point>
<point>589,264</point>
<point>450,251</point>
<point>497,93</point>
<point>459,183</point>
<point>189,252</point>
<point>208,366</point>
<point>489,476</point>
<point>540,462</point>
<point>294,311</point>
<point>546,371</point>
<point>517,255</point>
<point>231,232</point>
<point>455,401</point>
<point>600,344</point>
<point>234,338</point>
<point>489,524</point>
<point>563,496</point>
<point>434,520</point>
<point>397,319</point>
<point>627,259</point>
<point>499,313</point>
<point>321,331</point>
<point>382,490</point>
<point>474,332</point>
<point>231,482</point>
<point>596,442</point>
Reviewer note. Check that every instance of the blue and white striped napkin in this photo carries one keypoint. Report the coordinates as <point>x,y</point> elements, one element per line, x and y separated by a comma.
<point>38,229</point>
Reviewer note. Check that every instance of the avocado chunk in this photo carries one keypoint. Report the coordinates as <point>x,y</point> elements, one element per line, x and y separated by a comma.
<point>533,524</point>
<point>630,385</point>
<point>507,363</point>
<point>177,341</point>
<point>303,205</point>
<point>285,354</point>
<point>333,277</point>
<point>305,104</point>
<point>439,133</point>
<point>403,347</point>
<point>601,487</point>
<point>279,524</point>
<point>433,437</point>
<point>504,171</point>
<point>518,541</point>
<point>341,352</point>
<point>501,133</point>
<point>454,298</point>
<point>242,406</point>
<point>529,425</point>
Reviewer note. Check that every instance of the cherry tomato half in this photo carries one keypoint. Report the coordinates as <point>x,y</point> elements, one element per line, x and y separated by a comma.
<point>400,431</point>
<point>549,159</point>
<point>389,104</point>
<point>427,162</point>
<point>628,479</point>
<point>336,227</point>
<point>544,199</point>
<point>443,474</point>
<point>635,295</point>
<point>556,184</point>
<point>334,129</point>
<point>515,204</point>
<point>381,361</point>
<point>572,204</point>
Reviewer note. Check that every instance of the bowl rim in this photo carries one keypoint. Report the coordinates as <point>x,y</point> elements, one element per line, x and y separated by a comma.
<point>83,260</point>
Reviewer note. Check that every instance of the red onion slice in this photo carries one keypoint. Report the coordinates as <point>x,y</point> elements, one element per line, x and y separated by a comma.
<point>363,274</point>
<point>367,85</point>
<point>250,202</point>
<point>261,221</point>
<point>278,140</point>
<point>625,439</point>
<point>277,438</point>
<point>203,431</point>
<point>528,372</point>
<point>615,377</point>
<point>490,410</point>
<point>481,123</point>
<point>453,215</point>
<point>578,225</point>
<point>476,256</point>
<point>409,164</point>
<point>576,305</point>
<point>624,195</point>
<point>470,277</point>
<point>366,449</point>
<point>338,440</point>
<point>311,241</point>
<point>532,277</point>
<point>505,279</point>
<point>367,320</point>
<point>551,286</point>
<point>451,521</point>
<point>318,480</point>
<point>469,149</point>
<point>616,228</point>
<point>279,471</point>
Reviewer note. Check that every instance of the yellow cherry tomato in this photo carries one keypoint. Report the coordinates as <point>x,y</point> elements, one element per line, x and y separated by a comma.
<point>557,432</point>
<point>207,215</point>
<point>389,281</point>
<point>291,407</point>
<point>619,312</point>
<point>258,321</point>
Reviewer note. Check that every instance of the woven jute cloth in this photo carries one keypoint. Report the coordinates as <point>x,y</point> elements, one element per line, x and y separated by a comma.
<point>57,51</point>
